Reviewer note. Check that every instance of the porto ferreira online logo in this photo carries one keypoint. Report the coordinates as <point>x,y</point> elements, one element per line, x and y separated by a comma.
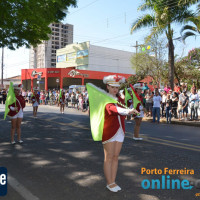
<point>3,181</point>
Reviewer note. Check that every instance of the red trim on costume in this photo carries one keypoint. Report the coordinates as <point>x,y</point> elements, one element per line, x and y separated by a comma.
<point>136,94</point>
<point>111,123</point>
<point>36,97</point>
<point>22,101</point>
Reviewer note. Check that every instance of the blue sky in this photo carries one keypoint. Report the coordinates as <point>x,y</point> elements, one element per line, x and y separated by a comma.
<point>104,23</point>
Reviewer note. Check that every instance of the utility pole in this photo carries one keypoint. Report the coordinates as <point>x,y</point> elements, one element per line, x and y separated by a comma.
<point>136,46</point>
<point>2,66</point>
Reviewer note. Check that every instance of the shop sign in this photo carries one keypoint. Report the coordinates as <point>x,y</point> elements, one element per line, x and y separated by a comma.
<point>74,73</point>
<point>53,72</point>
<point>36,73</point>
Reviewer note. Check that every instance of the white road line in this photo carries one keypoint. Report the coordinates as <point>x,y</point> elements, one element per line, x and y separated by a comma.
<point>25,193</point>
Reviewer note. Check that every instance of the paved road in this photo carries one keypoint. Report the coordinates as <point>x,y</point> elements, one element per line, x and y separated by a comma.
<point>59,160</point>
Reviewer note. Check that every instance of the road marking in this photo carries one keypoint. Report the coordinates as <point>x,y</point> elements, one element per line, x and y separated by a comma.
<point>189,145</point>
<point>147,138</point>
<point>173,145</point>
<point>25,193</point>
<point>169,143</point>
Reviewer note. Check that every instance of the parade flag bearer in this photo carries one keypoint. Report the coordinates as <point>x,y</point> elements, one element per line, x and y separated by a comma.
<point>35,99</point>
<point>15,104</point>
<point>61,101</point>
<point>107,117</point>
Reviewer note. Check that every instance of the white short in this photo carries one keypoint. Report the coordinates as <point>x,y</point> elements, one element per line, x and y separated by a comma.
<point>35,104</point>
<point>118,137</point>
<point>18,115</point>
<point>141,112</point>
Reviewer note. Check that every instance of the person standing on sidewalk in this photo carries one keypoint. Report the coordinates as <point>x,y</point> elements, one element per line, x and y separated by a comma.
<point>185,104</point>
<point>35,99</point>
<point>175,100</point>
<point>156,106</point>
<point>168,109</point>
<point>16,113</point>
<point>194,105</point>
<point>164,97</point>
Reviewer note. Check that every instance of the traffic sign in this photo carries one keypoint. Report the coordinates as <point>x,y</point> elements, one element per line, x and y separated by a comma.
<point>39,77</point>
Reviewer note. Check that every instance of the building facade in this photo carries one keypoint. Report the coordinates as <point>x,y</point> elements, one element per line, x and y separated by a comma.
<point>56,78</point>
<point>44,55</point>
<point>84,56</point>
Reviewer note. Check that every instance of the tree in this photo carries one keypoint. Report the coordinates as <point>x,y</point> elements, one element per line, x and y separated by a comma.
<point>26,22</point>
<point>188,68</point>
<point>191,30</point>
<point>152,62</point>
<point>164,13</point>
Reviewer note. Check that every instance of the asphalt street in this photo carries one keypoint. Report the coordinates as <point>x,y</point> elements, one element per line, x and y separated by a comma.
<point>60,161</point>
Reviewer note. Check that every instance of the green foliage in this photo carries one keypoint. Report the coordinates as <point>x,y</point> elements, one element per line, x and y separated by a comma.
<point>151,62</point>
<point>188,68</point>
<point>25,22</point>
<point>163,14</point>
<point>132,80</point>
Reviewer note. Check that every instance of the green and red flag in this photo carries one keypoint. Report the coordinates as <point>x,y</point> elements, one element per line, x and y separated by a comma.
<point>127,97</point>
<point>98,99</point>
<point>136,98</point>
<point>11,98</point>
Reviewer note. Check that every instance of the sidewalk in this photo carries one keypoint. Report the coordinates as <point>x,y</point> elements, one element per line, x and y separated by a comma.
<point>175,121</point>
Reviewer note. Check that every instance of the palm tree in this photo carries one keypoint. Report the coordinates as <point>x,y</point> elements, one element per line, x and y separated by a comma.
<point>191,30</point>
<point>165,13</point>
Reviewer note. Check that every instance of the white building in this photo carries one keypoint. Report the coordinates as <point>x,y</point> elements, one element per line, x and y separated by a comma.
<point>85,56</point>
<point>44,55</point>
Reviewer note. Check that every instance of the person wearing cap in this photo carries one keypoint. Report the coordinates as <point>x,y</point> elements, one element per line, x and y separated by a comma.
<point>16,114</point>
<point>138,87</point>
<point>35,99</point>
<point>113,131</point>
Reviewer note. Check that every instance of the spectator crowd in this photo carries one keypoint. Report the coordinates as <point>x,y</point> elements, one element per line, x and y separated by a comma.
<point>74,99</point>
<point>180,103</point>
